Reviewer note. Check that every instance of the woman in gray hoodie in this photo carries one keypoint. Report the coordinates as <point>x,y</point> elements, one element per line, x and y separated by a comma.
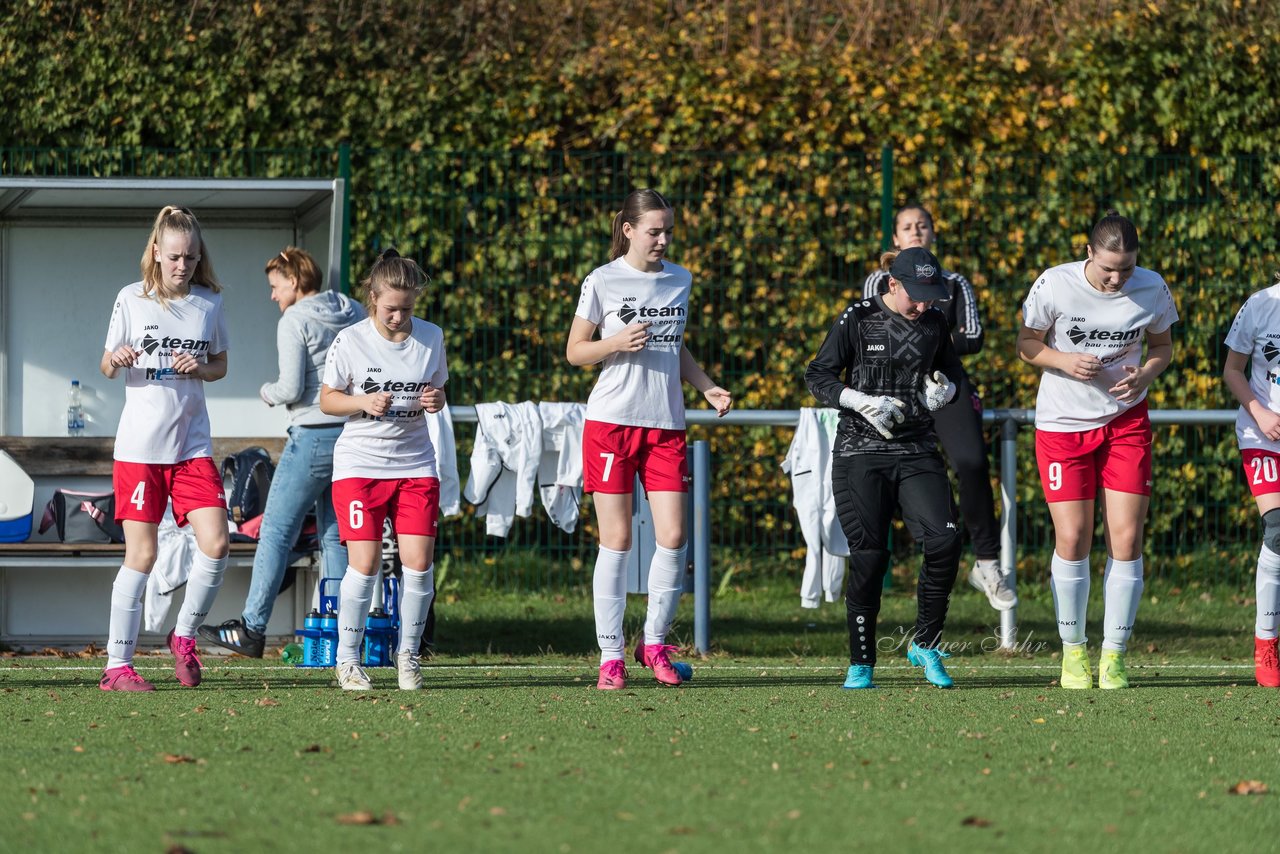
<point>310,319</point>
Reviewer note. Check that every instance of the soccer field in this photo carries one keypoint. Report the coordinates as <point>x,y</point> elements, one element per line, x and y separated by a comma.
<point>510,749</point>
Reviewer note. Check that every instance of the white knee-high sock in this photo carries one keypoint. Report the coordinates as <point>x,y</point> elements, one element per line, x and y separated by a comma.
<point>1122,586</point>
<point>355,594</point>
<point>415,602</point>
<point>1069,581</point>
<point>609,594</point>
<point>126,616</point>
<point>1268,587</point>
<point>666,581</point>
<point>202,588</point>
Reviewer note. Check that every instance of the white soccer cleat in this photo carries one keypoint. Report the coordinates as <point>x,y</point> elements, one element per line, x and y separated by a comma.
<point>998,586</point>
<point>409,671</point>
<point>351,677</point>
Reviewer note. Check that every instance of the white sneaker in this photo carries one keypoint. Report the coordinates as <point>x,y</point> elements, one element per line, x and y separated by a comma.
<point>997,585</point>
<point>409,671</point>
<point>351,677</point>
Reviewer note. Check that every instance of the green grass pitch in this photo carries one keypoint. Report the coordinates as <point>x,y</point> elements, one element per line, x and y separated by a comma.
<point>511,748</point>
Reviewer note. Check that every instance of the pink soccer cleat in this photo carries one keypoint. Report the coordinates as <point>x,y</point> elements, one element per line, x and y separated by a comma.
<point>613,675</point>
<point>186,665</point>
<point>655,656</point>
<point>1266,662</point>
<point>123,678</point>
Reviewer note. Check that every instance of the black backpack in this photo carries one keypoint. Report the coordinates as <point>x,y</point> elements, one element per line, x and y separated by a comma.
<point>246,479</point>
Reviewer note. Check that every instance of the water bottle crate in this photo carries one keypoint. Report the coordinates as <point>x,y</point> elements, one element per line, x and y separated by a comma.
<point>319,631</point>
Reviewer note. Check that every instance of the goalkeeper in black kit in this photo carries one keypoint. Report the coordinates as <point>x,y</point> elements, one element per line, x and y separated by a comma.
<point>887,364</point>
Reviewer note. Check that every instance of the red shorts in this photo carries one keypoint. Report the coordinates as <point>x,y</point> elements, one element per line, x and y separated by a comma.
<point>613,453</point>
<point>1116,456</point>
<point>363,504</point>
<point>144,489</point>
<point>1262,470</point>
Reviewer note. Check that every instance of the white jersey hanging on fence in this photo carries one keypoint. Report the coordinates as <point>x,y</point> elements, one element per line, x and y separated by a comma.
<point>1081,319</point>
<point>808,461</point>
<point>1256,332</point>
<point>361,361</point>
<point>154,393</point>
<point>504,463</point>
<point>640,389</point>
<point>560,470</point>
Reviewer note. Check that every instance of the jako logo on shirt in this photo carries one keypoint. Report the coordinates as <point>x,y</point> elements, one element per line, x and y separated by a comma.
<point>189,345</point>
<point>1076,334</point>
<point>1270,351</point>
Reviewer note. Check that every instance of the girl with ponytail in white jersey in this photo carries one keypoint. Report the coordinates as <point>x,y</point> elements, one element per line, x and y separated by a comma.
<point>169,337</point>
<point>381,374</point>
<point>1084,323</point>
<point>639,304</point>
<point>1251,372</point>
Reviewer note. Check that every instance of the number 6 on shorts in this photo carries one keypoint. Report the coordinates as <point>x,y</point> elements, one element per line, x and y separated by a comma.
<point>355,515</point>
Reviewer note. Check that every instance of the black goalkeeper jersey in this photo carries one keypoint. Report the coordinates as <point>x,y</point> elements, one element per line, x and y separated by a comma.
<point>879,352</point>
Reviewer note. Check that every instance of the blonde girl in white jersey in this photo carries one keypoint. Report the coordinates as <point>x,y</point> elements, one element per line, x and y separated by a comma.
<point>169,337</point>
<point>635,424</point>
<point>381,374</point>
<point>1085,324</point>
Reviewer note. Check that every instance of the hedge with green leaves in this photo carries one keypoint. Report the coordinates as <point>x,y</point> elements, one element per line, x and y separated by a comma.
<point>495,138</point>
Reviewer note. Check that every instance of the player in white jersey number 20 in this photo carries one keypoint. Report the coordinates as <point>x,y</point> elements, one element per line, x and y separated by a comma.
<point>381,374</point>
<point>168,337</point>
<point>639,303</point>
<point>1085,323</point>
<point>1252,372</point>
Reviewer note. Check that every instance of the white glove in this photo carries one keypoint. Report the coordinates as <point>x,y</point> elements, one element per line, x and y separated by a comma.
<point>881,411</point>
<point>938,391</point>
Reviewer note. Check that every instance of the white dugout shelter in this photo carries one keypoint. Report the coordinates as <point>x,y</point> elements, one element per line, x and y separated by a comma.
<point>67,245</point>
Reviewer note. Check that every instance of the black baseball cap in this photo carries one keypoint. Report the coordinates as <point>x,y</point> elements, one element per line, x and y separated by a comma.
<point>920,273</point>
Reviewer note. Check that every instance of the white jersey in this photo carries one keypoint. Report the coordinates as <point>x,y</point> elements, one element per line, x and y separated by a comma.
<point>1081,319</point>
<point>165,420</point>
<point>640,389</point>
<point>1256,333</point>
<point>397,444</point>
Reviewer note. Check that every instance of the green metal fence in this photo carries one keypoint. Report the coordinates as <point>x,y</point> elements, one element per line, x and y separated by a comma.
<point>508,236</point>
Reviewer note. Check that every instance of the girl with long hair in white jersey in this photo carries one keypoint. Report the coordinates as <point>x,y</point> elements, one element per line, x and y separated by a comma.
<point>381,374</point>
<point>1252,372</point>
<point>169,337</point>
<point>639,304</point>
<point>1084,323</point>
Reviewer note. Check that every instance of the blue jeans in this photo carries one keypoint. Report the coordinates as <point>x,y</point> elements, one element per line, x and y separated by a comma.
<point>302,481</point>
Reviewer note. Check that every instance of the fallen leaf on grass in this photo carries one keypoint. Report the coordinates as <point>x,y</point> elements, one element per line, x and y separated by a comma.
<point>266,701</point>
<point>176,759</point>
<point>366,817</point>
<point>975,821</point>
<point>1249,787</point>
<point>312,748</point>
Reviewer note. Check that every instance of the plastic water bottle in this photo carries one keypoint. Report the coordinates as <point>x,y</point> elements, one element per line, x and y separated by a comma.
<point>75,410</point>
<point>292,654</point>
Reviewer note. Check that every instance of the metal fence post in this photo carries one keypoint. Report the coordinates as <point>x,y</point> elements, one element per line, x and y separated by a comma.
<point>886,198</point>
<point>1008,523</point>
<point>701,547</point>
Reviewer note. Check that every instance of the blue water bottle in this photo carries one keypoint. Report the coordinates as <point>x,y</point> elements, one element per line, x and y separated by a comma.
<point>329,638</point>
<point>377,639</point>
<point>311,642</point>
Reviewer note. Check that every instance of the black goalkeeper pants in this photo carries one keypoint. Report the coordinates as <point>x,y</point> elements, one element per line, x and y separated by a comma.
<point>868,488</point>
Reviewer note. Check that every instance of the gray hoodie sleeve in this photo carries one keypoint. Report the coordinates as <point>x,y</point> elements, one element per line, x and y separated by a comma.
<point>291,344</point>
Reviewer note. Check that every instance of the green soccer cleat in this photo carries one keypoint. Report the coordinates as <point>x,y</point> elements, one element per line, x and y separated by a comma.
<point>1076,674</point>
<point>1111,672</point>
<point>931,661</point>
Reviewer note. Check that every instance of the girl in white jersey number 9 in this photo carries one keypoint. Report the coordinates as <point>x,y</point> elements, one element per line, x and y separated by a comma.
<point>381,374</point>
<point>639,304</point>
<point>169,337</point>
<point>1084,323</point>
